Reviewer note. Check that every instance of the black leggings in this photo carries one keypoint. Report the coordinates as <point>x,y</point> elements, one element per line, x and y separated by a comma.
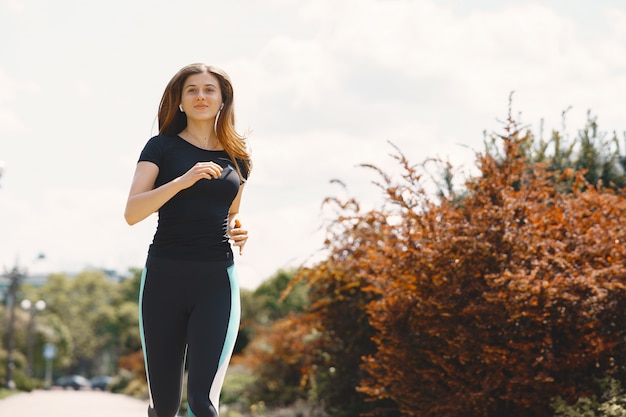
<point>191,309</point>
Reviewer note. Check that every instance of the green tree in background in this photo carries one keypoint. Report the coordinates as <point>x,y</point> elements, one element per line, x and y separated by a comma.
<point>92,320</point>
<point>264,305</point>
<point>595,153</point>
<point>83,304</point>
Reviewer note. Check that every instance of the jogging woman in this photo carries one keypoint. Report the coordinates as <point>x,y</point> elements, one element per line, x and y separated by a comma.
<point>192,173</point>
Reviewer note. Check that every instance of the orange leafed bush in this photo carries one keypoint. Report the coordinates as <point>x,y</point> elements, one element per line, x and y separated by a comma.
<point>133,362</point>
<point>281,359</point>
<point>487,305</point>
<point>494,305</point>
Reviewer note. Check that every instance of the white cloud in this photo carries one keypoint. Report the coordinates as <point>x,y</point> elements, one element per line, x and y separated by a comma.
<point>84,89</point>
<point>617,21</point>
<point>10,92</point>
<point>16,5</point>
<point>482,56</point>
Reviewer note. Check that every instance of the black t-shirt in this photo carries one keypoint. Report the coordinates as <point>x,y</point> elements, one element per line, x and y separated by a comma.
<point>193,225</point>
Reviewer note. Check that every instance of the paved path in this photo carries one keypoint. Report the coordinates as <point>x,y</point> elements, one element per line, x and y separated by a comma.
<point>59,403</point>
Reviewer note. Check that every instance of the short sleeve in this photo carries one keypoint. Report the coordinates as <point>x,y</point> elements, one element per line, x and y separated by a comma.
<point>245,171</point>
<point>153,151</point>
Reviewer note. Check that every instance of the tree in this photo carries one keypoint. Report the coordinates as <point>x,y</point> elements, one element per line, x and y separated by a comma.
<point>263,306</point>
<point>599,159</point>
<point>93,318</point>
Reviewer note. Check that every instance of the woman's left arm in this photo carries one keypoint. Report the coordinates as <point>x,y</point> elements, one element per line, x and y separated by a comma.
<point>238,234</point>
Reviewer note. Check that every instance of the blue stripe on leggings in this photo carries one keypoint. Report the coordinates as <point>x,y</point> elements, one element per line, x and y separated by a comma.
<point>235,312</point>
<point>141,332</point>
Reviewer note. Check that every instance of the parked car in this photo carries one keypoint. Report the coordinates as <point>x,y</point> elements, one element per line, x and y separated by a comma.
<point>76,382</point>
<point>100,382</point>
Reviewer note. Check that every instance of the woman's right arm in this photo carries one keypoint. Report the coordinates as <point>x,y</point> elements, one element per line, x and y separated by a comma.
<point>144,199</point>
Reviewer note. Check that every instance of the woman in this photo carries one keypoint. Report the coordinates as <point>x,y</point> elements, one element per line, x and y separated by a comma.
<point>193,174</point>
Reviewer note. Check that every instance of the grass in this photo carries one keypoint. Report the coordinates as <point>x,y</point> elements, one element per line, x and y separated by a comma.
<point>4,393</point>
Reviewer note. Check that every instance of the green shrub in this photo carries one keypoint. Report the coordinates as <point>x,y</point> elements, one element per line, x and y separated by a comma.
<point>121,381</point>
<point>612,403</point>
<point>25,383</point>
<point>236,386</point>
<point>137,389</point>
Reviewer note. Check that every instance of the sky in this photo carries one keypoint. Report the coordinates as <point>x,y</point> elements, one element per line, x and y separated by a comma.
<point>320,86</point>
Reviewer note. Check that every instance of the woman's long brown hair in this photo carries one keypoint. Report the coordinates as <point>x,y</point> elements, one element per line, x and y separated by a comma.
<point>172,121</point>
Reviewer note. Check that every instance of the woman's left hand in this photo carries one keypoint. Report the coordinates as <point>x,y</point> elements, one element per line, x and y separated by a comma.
<point>238,235</point>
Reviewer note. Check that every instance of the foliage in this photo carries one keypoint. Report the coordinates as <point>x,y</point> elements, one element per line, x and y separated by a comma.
<point>273,300</point>
<point>236,383</point>
<point>121,380</point>
<point>485,305</point>
<point>4,393</point>
<point>89,306</point>
<point>338,287</point>
<point>91,320</point>
<point>136,388</point>
<point>596,155</point>
<point>129,288</point>
<point>264,305</point>
<point>131,375</point>
<point>499,304</point>
<point>133,362</point>
<point>25,383</point>
<point>266,346</point>
<point>279,360</point>
<point>612,403</point>
<point>303,355</point>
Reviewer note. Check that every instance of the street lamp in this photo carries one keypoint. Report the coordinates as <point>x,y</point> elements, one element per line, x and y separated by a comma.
<point>32,308</point>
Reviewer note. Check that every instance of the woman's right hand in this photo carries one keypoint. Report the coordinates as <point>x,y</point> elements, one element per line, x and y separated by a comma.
<point>201,170</point>
<point>144,199</point>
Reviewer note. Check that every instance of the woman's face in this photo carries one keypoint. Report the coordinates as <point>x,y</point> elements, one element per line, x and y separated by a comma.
<point>201,96</point>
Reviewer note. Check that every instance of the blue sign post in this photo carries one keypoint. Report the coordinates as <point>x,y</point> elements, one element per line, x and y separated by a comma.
<point>49,353</point>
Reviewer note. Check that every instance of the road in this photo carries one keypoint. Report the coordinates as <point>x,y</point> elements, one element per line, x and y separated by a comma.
<point>59,403</point>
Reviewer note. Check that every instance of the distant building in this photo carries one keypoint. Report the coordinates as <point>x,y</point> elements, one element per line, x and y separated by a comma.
<point>36,280</point>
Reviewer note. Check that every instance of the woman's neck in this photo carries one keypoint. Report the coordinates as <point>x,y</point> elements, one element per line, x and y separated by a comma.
<point>202,136</point>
